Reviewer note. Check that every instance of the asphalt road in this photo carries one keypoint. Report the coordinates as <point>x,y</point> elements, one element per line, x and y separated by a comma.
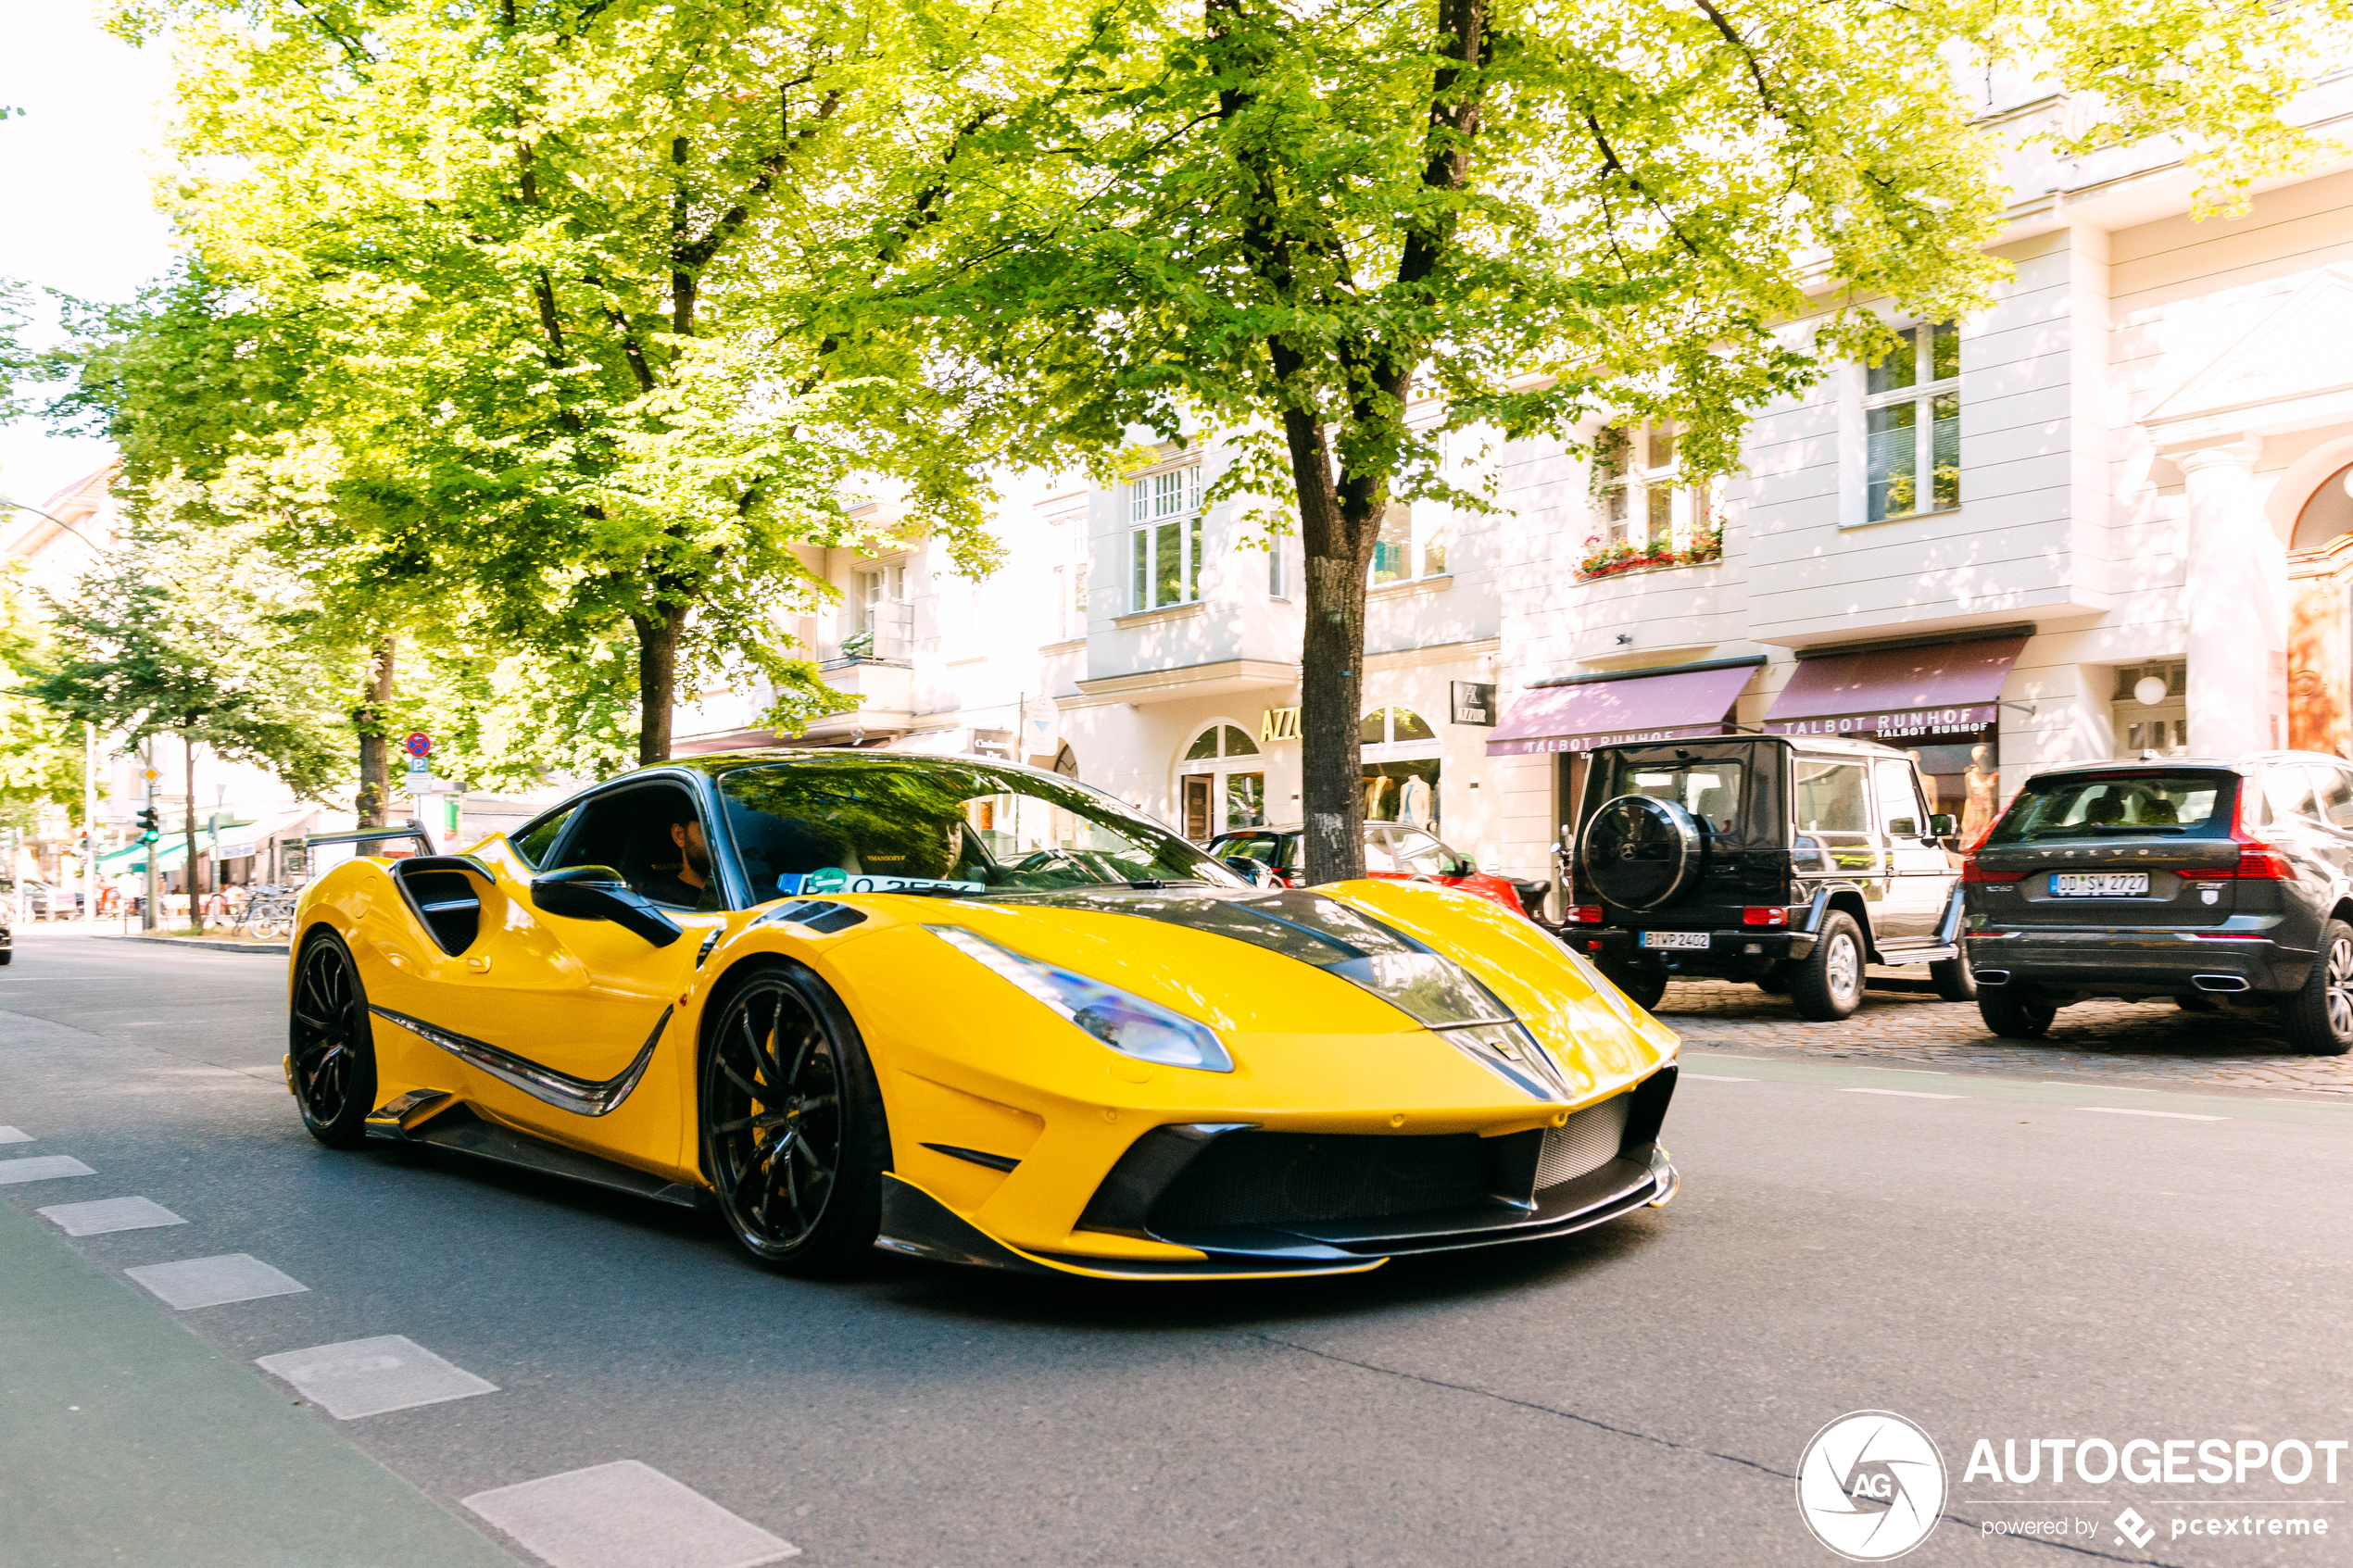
<point>1989,1257</point>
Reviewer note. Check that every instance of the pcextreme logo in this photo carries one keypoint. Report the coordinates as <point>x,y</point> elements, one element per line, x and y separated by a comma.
<point>1870,1486</point>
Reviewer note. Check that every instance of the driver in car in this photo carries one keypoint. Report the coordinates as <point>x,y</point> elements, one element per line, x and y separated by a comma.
<point>686,886</point>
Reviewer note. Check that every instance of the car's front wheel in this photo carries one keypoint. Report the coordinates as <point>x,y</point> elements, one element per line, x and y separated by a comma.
<point>2320,1015</point>
<point>1643,984</point>
<point>793,1134</point>
<point>1828,985</point>
<point>2015,1017</point>
<point>330,1044</point>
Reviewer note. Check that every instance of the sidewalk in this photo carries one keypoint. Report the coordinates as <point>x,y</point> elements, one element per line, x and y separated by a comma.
<point>129,1440</point>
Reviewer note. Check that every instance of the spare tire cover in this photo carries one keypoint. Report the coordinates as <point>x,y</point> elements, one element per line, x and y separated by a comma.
<point>1638,852</point>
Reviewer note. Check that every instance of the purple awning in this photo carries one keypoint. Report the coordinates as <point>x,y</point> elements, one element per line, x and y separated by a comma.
<point>1674,705</point>
<point>1943,686</point>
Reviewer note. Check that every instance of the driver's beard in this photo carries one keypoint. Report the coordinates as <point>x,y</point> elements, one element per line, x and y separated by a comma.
<point>698,858</point>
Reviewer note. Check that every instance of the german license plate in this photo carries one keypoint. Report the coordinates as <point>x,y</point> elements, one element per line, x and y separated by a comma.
<point>1683,938</point>
<point>2099,884</point>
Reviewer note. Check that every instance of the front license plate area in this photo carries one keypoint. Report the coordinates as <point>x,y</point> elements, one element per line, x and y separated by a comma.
<point>2099,884</point>
<point>1675,939</point>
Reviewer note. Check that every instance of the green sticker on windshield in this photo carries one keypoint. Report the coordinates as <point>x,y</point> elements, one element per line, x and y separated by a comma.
<point>824,879</point>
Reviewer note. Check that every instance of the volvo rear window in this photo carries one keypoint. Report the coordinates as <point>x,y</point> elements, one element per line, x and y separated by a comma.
<point>2077,806</point>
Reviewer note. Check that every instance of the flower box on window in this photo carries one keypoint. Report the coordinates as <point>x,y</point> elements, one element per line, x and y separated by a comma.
<point>1605,558</point>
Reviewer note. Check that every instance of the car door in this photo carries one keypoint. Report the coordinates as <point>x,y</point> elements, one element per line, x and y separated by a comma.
<point>579,1003</point>
<point>1832,800</point>
<point>1919,875</point>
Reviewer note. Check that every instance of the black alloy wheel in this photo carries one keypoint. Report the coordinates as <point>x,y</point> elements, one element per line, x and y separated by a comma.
<point>793,1134</point>
<point>330,1046</point>
<point>2319,1013</point>
<point>1828,984</point>
<point>2014,1016</point>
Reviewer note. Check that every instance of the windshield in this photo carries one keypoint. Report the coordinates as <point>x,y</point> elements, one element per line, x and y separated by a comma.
<point>883,824</point>
<point>2071,805</point>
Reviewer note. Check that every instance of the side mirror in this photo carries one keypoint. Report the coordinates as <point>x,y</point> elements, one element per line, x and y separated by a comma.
<point>1464,866</point>
<point>597,893</point>
<point>1942,826</point>
<point>1902,827</point>
<point>1255,871</point>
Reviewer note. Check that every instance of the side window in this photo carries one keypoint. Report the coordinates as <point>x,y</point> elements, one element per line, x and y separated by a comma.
<point>1830,797</point>
<point>1899,799</point>
<point>631,831</point>
<point>535,842</point>
<point>2289,790</point>
<point>2335,792</point>
<point>1379,854</point>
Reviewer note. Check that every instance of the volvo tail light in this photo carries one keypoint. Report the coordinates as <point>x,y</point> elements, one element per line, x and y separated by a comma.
<point>2257,861</point>
<point>1973,871</point>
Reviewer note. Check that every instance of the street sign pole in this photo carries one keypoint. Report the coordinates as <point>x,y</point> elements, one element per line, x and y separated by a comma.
<point>147,904</point>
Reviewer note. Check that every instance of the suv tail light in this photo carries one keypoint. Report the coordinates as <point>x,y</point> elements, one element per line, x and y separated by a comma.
<point>1585,914</point>
<point>1764,914</point>
<point>2257,861</point>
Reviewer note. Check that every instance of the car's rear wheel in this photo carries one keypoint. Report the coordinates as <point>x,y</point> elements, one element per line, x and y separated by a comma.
<point>793,1133</point>
<point>2015,1017</point>
<point>1643,984</point>
<point>1828,984</point>
<point>1953,979</point>
<point>331,1044</point>
<point>2320,1015</point>
<point>2193,1001</point>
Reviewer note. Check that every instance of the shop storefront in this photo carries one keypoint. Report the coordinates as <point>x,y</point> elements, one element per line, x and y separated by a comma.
<point>1939,702</point>
<point>1569,717</point>
<point>1403,763</point>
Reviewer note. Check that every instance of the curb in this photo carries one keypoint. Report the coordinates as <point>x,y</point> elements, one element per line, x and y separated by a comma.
<point>279,949</point>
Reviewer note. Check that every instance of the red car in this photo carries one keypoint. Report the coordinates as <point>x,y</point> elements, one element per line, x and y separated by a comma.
<point>1392,852</point>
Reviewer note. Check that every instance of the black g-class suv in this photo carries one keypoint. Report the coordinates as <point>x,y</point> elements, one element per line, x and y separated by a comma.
<point>1788,862</point>
<point>2214,883</point>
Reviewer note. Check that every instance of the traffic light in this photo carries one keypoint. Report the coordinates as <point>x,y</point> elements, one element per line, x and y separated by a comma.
<point>150,824</point>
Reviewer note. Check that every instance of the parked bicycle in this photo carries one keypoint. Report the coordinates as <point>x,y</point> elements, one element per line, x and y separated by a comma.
<point>269,913</point>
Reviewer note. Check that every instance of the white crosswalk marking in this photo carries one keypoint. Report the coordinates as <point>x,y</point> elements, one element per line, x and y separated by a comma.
<point>626,1514</point>
<point>42,1168</point>
<point>214,1282</point>
<point>11,1134</point>
<point>2134,1111</point>
<point>109,1215</point>
<point>370,1377</point>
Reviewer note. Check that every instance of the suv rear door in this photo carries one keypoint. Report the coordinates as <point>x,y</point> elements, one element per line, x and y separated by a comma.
<point>2114,848</point>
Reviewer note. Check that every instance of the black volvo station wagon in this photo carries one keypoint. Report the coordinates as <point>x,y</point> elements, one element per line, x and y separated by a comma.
<point>2216,882</point>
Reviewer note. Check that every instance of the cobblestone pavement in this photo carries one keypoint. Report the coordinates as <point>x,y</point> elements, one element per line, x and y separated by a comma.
<point>2154,1041</point>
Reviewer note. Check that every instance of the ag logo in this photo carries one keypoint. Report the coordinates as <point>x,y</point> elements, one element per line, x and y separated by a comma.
<point>1870,1486</point>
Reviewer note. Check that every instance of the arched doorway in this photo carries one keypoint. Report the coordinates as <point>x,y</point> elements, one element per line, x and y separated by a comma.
<point>1221,782</point>
<point>1401,768</point>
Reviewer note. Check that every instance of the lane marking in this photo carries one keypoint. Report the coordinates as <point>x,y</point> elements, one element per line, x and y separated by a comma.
<point>1717,1078</point>
<point>109,1215</point>
<point>625,1514</point>
<point>10,1135</point>
<point>370,1377</point>
<point>214,1282</point>
<point>1906,1094</point>
<point>2135,1110</point>
<point>42,1168</point>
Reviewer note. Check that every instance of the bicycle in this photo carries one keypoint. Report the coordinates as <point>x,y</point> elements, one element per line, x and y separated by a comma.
<point>269,913</point>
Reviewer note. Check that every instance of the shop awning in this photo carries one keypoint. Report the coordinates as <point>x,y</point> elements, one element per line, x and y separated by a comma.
<point>1897,691</point>
<point>1592,711</point>
<point>130,861</point>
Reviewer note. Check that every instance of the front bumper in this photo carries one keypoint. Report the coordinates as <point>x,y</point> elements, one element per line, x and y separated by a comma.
<point>1730,950</point>
<point>2142,961</point>
<point>1251,1203</point>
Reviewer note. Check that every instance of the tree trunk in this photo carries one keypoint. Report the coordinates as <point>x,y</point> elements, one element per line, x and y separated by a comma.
<point>1331,657</point>
<point>188,868</point>
<point>657,681</point>
<point>376,754</point>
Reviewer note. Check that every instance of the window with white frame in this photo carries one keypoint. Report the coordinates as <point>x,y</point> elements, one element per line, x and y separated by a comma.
<point>1164,538</point>
<point>1411,544</point>
<point>884,619</point>
<point>1070,600</point>
<point>1639,490</point>
<point>1912,424</point>
<point>1278,567</point>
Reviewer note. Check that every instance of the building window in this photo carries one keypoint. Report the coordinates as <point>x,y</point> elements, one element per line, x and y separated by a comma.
<point>1401,768</point>
<point>1912,419</point>
<point>1278,578</point>
<point>2151,709</point>
<point>1405,550</point>
<point>1070,600</point>
<point>885,620</point>
<point>1220,782</point>
<point>1163,538</point>
<point>1648,515</point>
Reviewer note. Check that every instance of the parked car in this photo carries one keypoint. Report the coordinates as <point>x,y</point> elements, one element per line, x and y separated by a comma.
<point>2226,882</point>
<point>1393,853</point>
<point>8,942</point>
<point>1791,862</point>
<point>41,900</point>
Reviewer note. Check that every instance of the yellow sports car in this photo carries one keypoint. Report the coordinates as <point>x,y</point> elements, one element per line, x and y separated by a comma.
<point>973,1012</point>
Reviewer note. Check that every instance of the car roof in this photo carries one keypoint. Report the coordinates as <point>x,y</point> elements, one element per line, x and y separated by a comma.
<point>712,763</point>
<point>1839,743</point>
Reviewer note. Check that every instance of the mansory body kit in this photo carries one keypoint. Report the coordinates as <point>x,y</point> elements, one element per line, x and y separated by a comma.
<point>977,1012</point>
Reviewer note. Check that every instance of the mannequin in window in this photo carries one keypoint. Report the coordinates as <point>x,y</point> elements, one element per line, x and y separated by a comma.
<point>1413,803</point>
<point>1982,784</point>
<point>1377,790</point>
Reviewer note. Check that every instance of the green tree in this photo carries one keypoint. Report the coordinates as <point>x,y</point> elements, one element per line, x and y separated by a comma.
<point>561,275</point>
<point>210,660</point>
<point>1287,222</point>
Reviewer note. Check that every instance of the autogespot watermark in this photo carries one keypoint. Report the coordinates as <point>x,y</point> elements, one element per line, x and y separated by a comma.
<point>1871,1486</point>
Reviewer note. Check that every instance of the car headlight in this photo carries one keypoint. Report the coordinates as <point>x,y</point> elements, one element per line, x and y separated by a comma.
<point>1126,1023</point>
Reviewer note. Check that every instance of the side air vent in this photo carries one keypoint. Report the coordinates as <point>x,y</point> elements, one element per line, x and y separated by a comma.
<point>444,898</point>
